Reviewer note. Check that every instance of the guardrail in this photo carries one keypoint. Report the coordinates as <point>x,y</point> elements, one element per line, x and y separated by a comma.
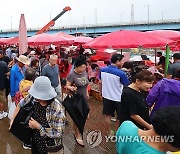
<point>100,25</point>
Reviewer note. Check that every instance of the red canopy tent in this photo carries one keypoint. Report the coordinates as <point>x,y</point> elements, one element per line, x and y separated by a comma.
<point>176,47</point>
<point>47,39</point>
<point>62,34</point>
<point>170,34</point>
<point>4,40</point>
<point>127,39</point>
<point>82,40</point>
<point>13,40</point>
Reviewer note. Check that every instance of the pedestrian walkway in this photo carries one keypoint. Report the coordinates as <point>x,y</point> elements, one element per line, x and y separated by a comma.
<point>11,145</point>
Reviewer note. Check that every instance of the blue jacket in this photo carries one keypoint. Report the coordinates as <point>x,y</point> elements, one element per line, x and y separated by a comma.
<point>15,77</point>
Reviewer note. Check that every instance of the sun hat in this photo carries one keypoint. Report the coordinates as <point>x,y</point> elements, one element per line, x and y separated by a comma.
<point>42,89</point>
<point>23,59</point>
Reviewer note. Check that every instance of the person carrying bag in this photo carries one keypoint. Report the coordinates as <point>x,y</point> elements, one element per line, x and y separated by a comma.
<point>48,119</point>
<point>19,126</point>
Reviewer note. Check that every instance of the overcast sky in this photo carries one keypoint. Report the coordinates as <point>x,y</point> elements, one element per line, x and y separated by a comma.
<point>38,12</point>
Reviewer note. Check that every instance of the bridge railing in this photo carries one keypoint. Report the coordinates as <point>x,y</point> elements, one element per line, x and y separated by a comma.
<point>99,25</point>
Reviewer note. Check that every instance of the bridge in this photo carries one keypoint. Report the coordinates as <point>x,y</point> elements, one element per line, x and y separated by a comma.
<point>99,29</point>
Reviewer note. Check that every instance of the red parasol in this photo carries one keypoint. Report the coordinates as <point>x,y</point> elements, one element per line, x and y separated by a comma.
<point>82,40</point>
<point>170,34</point>
<point>13,40</point>
<point>46,39</point>
<point>4,40</point>
<point>62,34</point>
<point>127,39</point>
<point>175,47</point>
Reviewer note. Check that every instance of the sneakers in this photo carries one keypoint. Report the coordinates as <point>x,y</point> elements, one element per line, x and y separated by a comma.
<point>26,146</point>
<point>3,115</point>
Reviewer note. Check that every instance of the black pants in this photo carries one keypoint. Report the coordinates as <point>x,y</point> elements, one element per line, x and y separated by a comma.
<point>35,149</point>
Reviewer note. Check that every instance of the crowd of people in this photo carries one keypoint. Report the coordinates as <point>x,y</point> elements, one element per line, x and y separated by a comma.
<point>142,104</point>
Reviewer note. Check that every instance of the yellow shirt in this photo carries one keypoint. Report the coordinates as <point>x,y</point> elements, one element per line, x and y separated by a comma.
<point>23,85</point>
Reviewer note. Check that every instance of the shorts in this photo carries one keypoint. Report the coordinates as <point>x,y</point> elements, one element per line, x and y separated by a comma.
<point>2,96</point>
<point>109,107</point>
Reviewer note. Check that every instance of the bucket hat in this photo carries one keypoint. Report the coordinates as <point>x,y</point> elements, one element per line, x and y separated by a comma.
<point>42,89</point>
<point>23,59</point>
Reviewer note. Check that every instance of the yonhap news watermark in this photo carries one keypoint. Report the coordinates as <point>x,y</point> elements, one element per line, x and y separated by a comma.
<point>94,138</point>
<point>138,138</point>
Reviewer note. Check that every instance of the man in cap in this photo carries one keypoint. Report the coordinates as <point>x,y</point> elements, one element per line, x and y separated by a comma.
<point>173,67</point>
<point>17,74</point>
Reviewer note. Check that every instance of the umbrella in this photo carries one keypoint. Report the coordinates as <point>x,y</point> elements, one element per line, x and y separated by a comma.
<point>127,39</point>
<point>13,40</point>
<point>170,34</point>
<point>22,35</point>
<point>65,35</point>
<point>4,40</point>
<point>78,110</point>
<point>82,40</point>
<point>175,47</point>
<point>47,39</point>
